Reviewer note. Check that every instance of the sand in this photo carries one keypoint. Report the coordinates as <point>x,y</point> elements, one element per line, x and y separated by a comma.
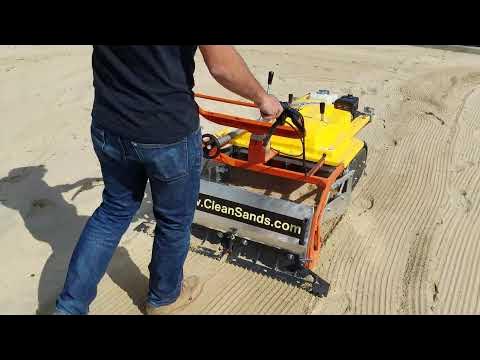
<point>409,243</point>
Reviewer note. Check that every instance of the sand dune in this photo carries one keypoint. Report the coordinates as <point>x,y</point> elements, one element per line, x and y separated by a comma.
<point>409,244</point>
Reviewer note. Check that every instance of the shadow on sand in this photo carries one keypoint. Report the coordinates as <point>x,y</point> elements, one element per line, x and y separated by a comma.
<point>52,220</point>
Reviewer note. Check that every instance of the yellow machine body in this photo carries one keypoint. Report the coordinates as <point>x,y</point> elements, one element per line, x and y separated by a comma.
<point>333,136</point>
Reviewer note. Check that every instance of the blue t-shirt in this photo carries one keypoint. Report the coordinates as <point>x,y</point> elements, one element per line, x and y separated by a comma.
<point>144,93</point>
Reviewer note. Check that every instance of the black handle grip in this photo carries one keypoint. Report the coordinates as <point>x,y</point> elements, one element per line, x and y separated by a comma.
<point>270,77</point>
<point>295,116</point>
<point>322,108</point>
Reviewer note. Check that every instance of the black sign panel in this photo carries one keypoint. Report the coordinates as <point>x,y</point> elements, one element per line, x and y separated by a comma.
<point>268,220</point>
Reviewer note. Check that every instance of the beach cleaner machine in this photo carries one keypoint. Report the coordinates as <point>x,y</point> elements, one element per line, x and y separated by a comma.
<point>311,144</point>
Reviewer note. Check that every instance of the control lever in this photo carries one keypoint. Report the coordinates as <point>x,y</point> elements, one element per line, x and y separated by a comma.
<point>269,83</point>
<point>270,80</point>
<point>322,110</point>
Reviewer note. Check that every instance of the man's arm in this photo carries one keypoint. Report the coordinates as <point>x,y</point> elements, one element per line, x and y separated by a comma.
<point>229,69</point>
<point>84,184</point>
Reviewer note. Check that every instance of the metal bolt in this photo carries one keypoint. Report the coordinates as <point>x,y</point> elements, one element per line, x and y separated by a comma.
<point>244,242</point>
<point>309,278</point>
<point>328,209</point>
<point>290,257</point>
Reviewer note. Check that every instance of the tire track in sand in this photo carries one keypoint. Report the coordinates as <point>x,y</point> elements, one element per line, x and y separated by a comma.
<point>399,188</point>
<point>416,263</point>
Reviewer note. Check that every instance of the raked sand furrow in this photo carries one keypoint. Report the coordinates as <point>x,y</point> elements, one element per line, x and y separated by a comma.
<point>459,270</point>
<point>460,267</point>
<point>452,174</point>
<point>400,188</point>
<point>449,254</point>
<point>228,292</point>
<point>385,193</point>
<point>247,295</point>
<point>406,224</point>
<point>418,297</point>
<point>356,268</point>
<point>415,203</point>
<point>273,294</point>
<point>344,260</point>
<point>402,239</point>
<point>262,291</point>
<point>356,246</point>
<point>239,294</point>
<point>462,273</point>
<point>343,267</point>
<point>472,121</point>
<point>423,211</point>
<point>455,242</point>
<point>474,295</point>
<point>420,206</point>
<point>419,291</point>
<point>252,296</point>
<point>288,301</point>
<point>471,273</point>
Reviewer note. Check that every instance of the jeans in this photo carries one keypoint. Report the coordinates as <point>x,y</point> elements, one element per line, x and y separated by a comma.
<point>174,174</point>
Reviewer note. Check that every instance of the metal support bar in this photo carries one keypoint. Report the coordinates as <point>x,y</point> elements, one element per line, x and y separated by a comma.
<point>317,166</point>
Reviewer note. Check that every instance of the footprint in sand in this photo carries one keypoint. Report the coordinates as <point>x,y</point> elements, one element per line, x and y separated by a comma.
<point>460,200</point>
<point>466,202</point>
<point>366,204</point>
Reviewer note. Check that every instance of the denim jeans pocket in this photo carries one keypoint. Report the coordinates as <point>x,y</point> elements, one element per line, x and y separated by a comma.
<point>98,138</point>
<point>166,162</point>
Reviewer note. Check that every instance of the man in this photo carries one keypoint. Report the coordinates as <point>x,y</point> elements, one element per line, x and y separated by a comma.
<point>145,126</point>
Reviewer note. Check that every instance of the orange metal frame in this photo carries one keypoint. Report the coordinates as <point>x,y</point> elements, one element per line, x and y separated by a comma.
<point>258,156</point>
